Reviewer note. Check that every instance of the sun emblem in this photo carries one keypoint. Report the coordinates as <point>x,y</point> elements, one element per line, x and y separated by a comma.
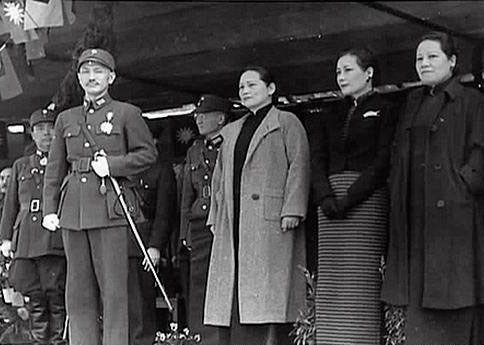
<point>184,135</point>
<point>14,12</point>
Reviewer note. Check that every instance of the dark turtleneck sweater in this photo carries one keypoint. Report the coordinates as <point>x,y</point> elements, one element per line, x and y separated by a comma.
<point>249,127</point>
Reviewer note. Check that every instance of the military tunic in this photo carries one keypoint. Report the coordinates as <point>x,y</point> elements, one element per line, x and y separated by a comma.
<point>94,228</point>
<point>156,189</point>
<point>200,162</point>
<point>22,216</point>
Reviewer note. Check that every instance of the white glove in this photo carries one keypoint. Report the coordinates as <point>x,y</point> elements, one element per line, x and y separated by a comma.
<point>6,248</point>
<point>100,166</point>
<point>51,222</point>
<point>154,255</point>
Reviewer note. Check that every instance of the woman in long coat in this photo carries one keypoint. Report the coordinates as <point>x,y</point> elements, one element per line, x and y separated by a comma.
<point>350,165</point>
<point>260,189</point>
<point>436,251</point>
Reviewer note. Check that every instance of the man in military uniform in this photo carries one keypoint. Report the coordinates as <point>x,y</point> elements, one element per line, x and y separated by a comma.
<point>39,266</point>
<point>156,189</point>
<point>211,115</point>
<point>100,139</point>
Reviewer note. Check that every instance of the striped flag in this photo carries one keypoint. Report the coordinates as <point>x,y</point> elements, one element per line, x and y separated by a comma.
<point>9,84</point>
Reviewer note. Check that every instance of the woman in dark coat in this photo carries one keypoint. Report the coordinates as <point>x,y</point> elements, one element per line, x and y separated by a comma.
<point>436,247</point>
<point>350,165</point>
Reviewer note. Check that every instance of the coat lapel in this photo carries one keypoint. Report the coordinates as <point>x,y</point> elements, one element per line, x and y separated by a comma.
<point>269,124</point>
<point>414,101</point>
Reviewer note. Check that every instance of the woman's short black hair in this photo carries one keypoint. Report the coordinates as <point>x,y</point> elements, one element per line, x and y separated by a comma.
<point>264,73</point>
<point>365,59</point>
<point>446,42</point>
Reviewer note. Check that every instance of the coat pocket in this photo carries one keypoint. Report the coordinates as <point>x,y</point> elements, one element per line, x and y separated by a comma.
<point>115,210</point>
<point>272,205</point>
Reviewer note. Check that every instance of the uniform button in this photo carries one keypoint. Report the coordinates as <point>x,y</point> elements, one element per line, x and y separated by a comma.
<point>34,218</point>
<point>89,127</point>
<point>84,179</point>
<point>255,197</point>
<point>440,203</point>
<point>437,166</point>
<point>204,207</point>
<point>22,178</point>
<point>441,119</point>
<point>210,147</point>
<point>192,168</point>
<point>207,161</point>
<point>86,144</point>
<point>69,135</point>
<point>206,177</point>
<point>42,171</point>
<point>433,128</point>
<point>131,209</point>
<point>91,111</point>
<point>146,186</point>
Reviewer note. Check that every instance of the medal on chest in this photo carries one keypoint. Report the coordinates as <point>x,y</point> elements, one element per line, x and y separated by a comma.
<point>106,126</point>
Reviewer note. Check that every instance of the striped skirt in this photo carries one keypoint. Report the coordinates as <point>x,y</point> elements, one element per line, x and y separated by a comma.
<point>348,308</point>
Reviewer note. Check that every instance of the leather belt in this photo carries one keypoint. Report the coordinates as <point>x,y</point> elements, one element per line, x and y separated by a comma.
<point>32,206</point>
<point>82,165</point>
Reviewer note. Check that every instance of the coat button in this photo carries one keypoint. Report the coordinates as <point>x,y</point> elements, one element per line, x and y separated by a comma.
<point>131,209</point>
<point>86,144</point>
<point>89,127</point>
<point>84,179</point>
<point>255,196</point>
<point>433,128</point>
<point>91,111</point>
<point>192,168</point>
<point>34,218</point>
<point>69,135</point>
<point>437,166</point>
<point>204,207</point>
<point>440,203</point>
<point>206,177</point>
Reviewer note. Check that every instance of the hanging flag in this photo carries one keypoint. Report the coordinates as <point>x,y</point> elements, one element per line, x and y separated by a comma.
<point>35,49</point>
<point>39,14</point>
<point>9,84</point>
<point>18,34</point>
<point>70,17</point>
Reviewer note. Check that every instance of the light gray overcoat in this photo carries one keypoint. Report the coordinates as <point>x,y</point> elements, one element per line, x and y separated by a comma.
<point>274,184</point>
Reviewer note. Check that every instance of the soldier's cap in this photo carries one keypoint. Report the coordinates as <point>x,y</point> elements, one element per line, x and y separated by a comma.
<point>209,103</point>
<point>96,55</point>
<point>41,115</point>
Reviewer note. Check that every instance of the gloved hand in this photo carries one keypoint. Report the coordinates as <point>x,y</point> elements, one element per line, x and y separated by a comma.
<point>329,206</point>
<point>6,248</point>
<point>51,222</point>
<point>154,254</point>
<point>100,166</point>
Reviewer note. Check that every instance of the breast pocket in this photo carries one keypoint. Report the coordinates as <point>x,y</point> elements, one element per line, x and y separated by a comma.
<point>73,139</point>
<point>112,142</point>
<point>272,205</point>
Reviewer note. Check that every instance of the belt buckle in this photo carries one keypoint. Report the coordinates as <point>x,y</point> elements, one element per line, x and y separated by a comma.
<point>34,205</point>
<point>84,164</point>
<point>206,191</point>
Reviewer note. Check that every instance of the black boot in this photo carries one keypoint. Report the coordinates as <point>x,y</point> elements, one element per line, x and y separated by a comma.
<point>57,318</point>
<point>39,316</point>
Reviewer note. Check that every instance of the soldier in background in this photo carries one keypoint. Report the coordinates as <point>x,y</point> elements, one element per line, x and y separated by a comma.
<point>210,115</point>
<point>39,266</point>
<point>156,189</point>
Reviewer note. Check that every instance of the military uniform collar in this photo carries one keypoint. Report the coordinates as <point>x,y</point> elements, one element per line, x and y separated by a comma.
<point>98,103</point>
